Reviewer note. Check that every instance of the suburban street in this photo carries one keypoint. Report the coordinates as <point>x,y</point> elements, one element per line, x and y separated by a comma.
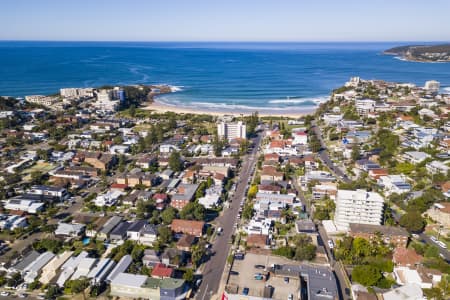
<point>325,158</point>
<point>214,267</point>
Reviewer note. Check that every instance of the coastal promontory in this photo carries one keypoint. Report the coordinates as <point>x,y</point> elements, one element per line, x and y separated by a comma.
<point>422,53</point>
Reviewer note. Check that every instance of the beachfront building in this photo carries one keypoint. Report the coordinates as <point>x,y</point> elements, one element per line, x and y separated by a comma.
<point>359,207</point>
<point>105,101</point>
<point>230,131</point>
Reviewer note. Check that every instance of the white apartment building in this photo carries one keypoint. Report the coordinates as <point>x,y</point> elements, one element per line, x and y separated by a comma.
<point>105,101</point>
<point>231,131</point>
<point>42,100</point>
<point>360,207</point>
<point>76,92</point>
<point>432,85</point>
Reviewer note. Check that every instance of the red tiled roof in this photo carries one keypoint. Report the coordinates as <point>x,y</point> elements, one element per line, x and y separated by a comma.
<point>162,271</point>
<point>406,257</point>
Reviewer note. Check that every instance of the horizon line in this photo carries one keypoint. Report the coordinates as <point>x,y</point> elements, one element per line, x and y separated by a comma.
<point>221,41</point>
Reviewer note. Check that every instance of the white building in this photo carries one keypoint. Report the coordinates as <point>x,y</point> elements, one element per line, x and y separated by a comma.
<point>29,206</point>
<point>394,184</point>
<point>42,100</point>
<point>436,167</point>
<point>76,92</point>
<point>108,199</point>
<point>359,207</point>
<point>300,138</point>
<point>105,101</point>
<point>231,131</point>
<point>432,85</point>
<point>415,157</point>
<point>212,197</point>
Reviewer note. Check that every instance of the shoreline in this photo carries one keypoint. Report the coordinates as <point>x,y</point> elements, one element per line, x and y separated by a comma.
<point>162,108</point>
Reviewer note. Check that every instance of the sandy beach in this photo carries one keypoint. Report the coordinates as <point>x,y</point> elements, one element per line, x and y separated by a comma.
<point>162,108</point>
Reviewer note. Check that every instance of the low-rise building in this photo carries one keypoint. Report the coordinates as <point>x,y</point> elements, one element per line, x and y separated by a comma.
<point>187,226</point>
<point>389,234</point>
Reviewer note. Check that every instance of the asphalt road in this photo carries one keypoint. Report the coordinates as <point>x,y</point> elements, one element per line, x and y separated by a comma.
<point>213,269</point>
<point>325,158</point>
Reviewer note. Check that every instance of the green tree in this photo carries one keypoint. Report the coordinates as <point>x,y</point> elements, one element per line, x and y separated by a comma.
<point>175,162</point>
<point>366,275</point>
<point>52,292</point>
<point>355,152</point>
<point>189,275</point>
<point>165,234</point>
<point>168,215</point>
<point>412,221</point>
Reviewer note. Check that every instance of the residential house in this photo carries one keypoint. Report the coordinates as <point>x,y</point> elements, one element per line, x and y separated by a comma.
<point>258,241</point>
<point>394,184</point>
<point>187,226</point>
<point>185,242</point>
<point>415,157</point>
<point>69,229</point>
<point>161,271</point>
<point>270,173</point>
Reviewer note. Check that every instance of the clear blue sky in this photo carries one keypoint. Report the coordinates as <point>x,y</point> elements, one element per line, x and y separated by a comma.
<point>226,20</point>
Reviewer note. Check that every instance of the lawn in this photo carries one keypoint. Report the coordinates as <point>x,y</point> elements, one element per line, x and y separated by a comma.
<point>40,166</point>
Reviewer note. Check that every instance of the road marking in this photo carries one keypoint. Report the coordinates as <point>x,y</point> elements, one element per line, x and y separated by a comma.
<point>206,289</point>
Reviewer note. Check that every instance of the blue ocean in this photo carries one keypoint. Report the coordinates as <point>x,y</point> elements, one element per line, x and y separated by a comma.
<point>272,76</point>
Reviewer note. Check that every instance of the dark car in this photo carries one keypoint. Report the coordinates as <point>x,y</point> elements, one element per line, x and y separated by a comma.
<point>245,291</point>
<point>261,267</point>
<point>239,256</point>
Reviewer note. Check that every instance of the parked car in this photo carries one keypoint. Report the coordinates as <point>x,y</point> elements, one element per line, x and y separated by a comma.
<point>261,267</point>
<point>434,239</point>
<point>330,244</point>
<point>291,297</point>
<point>245,291</point>
<point>239,256</point>
<point>441,244</point>
<point>286,279</point>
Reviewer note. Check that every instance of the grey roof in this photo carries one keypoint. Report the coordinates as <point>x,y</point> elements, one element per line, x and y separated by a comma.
<point>321,281</point>
<point>130,280</point>
<point>121,266</point>
<point>385,230</point>
<point>120,231</point>
<point>306,226</point>
<point>40,262</point>
<point>110,224</point>
<point>188,194</point>
<point>26,261</point>
<point>137,226</point>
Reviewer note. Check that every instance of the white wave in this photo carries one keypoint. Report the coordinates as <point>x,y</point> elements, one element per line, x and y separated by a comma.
<point>231,107</point>
<point>176,88</point>
<point>317,100</point>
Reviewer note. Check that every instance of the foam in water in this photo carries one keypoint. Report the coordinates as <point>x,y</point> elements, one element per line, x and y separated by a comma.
<point>176,88</point>
<point>316,100</point>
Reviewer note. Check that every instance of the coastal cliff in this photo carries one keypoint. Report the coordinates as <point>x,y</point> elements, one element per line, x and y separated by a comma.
<point>422,53</point>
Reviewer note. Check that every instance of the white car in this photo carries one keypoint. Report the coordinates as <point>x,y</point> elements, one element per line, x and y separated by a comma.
<point>434,239</point>
<point>330,244</point>
<point>4,294</point>
<point>441,244</point>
